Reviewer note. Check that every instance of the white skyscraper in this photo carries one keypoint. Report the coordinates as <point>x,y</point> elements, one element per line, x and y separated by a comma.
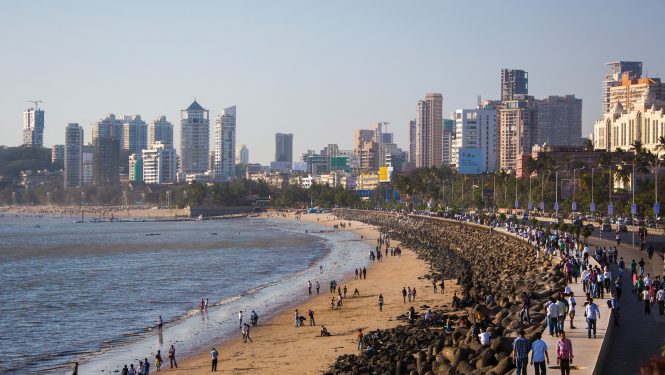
<point>242,154</point>
<point>73,155</point>
<point>159,164</point>
<point>477,128</point>
<point>33,127</point>
<point>225,144</point>
<point>194,139</point>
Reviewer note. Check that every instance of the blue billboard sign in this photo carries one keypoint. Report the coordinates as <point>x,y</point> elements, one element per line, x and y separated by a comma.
<point>470,161</point>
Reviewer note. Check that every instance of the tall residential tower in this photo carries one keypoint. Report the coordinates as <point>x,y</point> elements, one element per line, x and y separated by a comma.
<point>225,144</point>
<point>429,131</point>
<point>33,127</point>
<point>194,139</point>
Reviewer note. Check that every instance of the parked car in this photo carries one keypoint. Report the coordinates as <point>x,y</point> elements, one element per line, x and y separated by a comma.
<point>607,227</point>
<point>591,227</point>
<point>622,228</point>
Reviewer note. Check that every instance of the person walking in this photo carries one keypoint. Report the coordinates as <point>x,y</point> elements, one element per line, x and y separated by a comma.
<point>552,316</point>
<point>311,318</point>
<point>404,294</point>
<point>75,370</point>
<point>539,356</point>
<point>125,371</point>
<point>660,299</point>
<point>647,301</point>
<point>309,287</point>
<point>213,358</point>
<point>364,273</point>
<point>380,302</point>
<point>172,360</point>
<point>240,319</point>
<point>564,353</point>
<point>591,313</point>
<point>132,370</point>
<point>520,355</point>
<point>318,286</point>
<point>160,323</point>
<point>571,308</point>
<point>613,304</point>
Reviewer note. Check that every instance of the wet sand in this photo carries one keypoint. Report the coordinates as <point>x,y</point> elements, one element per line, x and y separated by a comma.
<point>281,348</point>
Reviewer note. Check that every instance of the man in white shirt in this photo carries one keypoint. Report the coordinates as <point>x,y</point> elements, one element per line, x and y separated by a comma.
<point>660,298</point>
<point>571,309</point>
<point>591,312</point>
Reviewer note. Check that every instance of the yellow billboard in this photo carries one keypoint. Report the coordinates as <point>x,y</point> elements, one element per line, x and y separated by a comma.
<point>385,173</point>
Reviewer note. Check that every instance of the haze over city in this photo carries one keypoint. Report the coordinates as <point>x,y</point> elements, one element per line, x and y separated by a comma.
<point>317,70</point>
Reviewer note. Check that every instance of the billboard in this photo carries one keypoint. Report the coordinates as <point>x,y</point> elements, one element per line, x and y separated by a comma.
<point>385,173</point>
<point>470,161</point>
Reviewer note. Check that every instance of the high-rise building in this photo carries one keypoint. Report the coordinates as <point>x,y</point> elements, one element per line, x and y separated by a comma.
<point>109,127</point>
<point>615,71</point>
<point>429,131</point>
<point>447,146</point>
<point>242,154</point>
<point>106,137</point>
<point>412,143</point>
<point>73,155</point>
<point>225,144</point>
<point>477,129</point>
<point>87,169</point>
<point>514,84</point>
<point>58,154</point>
<point>637,114</point>
<point>33,127</point>
<point>365,150</point>
<point>135,134</point>
<point>518,120</point>
<point>559,121</point>
<point>284,147</point>
<point>194,139</point>
<point>159,164</point>
<point>638,93</point>
<point>160,130</point>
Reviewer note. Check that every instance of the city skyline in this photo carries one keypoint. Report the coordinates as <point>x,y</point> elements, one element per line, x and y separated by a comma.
<point>314,66</point>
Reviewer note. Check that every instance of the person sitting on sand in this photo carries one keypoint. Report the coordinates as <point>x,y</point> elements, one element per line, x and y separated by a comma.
<point>324,331</point>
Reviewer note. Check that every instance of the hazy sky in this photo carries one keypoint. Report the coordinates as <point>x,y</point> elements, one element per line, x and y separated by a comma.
<point>318,69</point>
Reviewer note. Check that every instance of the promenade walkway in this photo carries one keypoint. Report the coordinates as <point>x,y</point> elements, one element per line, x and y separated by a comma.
<point>615,350</point>
<point>639,336</point>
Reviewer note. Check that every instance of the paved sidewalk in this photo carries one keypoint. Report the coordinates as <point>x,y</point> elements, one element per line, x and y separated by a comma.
<point>639,336</point>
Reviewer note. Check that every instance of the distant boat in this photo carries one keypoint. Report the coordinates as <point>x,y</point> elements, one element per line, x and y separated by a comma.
<point>199,218</point>
<point>78,221</point>
<point>213,233</point>
<point>37,226</point>
<point>153,234</point>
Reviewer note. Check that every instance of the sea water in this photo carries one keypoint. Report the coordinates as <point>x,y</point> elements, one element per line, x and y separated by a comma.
<point>92,292</point>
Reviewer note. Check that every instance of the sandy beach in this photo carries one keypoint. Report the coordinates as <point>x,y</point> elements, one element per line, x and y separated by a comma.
<point>281,348</point>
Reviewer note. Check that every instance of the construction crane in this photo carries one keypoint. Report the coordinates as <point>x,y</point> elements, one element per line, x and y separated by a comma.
<point>35,102</point>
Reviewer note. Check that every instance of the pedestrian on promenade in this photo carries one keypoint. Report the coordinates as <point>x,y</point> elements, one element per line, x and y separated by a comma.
<point>564,353</point>
<point>539,355</point>
<point>571,308</point>
<point>552,316</point>
<point>647,302</point>
<point>591,313</point>
<point>521,348</point>
<point>660,298</point>
<point>613,304</point>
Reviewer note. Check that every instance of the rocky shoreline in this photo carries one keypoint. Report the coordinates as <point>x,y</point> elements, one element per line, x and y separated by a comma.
<point>483,264</point>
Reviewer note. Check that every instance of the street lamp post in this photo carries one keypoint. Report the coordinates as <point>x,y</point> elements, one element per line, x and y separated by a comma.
<point>556,194</point>
<point>633,209</point>
<point>517,203</point>
<point>574,206</point>
<point>494,195</point>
